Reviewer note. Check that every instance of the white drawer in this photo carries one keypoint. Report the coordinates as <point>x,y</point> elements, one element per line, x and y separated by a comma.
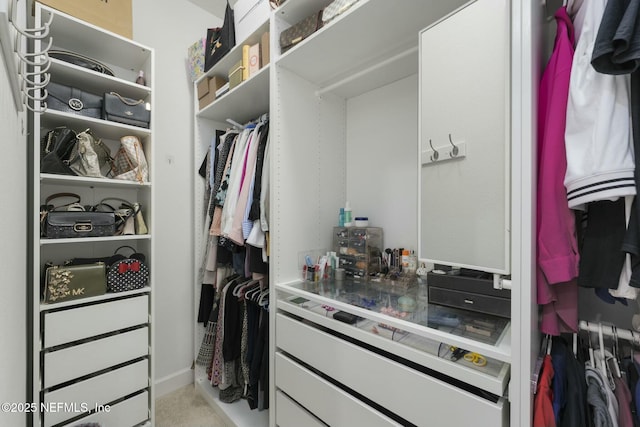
<point>64,326</point>
<point>97,390</point>
<point>127,413</point>
<point>290,414</point>
<point>415,396</point>
<point>329,403</point>
<point>77,361</point>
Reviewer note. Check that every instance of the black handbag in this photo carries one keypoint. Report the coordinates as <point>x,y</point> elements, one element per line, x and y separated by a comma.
<point>61,225</point>
<point>128,111</point>
<point>127,273</point>
<point>220,40</point>
<point>73,100</point>
<point>57,146</point>
<point>80,61</point>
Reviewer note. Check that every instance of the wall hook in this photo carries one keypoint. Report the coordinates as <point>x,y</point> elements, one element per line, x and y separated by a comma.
<point>435,155</point>
<point>454,151</point>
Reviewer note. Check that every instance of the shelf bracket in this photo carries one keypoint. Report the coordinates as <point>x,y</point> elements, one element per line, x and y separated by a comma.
<point>500,282</point>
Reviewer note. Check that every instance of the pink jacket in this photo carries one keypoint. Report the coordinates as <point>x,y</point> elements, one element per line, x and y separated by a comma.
<point>557,251</point>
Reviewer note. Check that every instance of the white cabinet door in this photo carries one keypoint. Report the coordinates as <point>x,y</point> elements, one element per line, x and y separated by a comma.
<point>464,102</point>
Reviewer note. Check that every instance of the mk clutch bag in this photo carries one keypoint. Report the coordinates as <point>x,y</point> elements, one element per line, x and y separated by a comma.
<point>65,224</point>
<point>64,283</point>
<point>73,100</point>
<point>129,111</point>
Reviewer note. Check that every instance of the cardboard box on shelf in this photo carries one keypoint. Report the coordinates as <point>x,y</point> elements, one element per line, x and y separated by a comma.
<point>207,88</point>
<point>112,15</point>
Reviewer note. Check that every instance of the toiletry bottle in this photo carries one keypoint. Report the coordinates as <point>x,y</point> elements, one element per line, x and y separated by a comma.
<point>141,80</point>
<point>347,215</point>
<point>341,218</point>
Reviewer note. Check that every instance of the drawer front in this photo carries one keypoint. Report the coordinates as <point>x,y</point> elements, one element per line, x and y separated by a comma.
<point>97,390</point>
<point>77,361</point>
<point>127,413</point>
<point>329,403</point>
<point>64,326</point>
<point>290,414</point>
<point>469,301</point>
<point>411,394</point>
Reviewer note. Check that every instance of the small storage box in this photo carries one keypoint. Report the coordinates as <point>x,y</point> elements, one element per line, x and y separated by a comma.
<point>248,16</point>
<point>359,249</point>
<point>235,75</point>
<point>207,88</point>
<point>470,290</point>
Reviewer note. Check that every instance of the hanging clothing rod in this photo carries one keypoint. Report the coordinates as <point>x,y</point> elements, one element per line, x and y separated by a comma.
<point>611,331</point>
<point>359,74</point>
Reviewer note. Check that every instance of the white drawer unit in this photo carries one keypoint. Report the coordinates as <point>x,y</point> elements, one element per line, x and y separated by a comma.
<point>61,327</point>
<point>328,402</point>
<point>126,413</point>
<point>290,414</point>
<point>93,356</point>
<point>419,398</point>
<point>95,391</point>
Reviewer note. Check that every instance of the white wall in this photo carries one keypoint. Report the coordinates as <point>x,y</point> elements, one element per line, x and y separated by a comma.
<point>170,28</point>
<point>382,130</point>
<point>13,253</point>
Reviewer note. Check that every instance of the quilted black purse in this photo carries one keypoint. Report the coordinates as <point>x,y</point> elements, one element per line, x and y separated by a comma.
<point>127,273</point>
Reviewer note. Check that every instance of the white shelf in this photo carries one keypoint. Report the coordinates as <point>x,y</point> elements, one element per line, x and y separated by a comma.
<point>235,414</point>
<point>244,102</point>
<point>74,35</point>
<point>99,298</point>
<point>95,82</point>
<point>101,128</point>
<point>95,239</point>
<point>81,181</point>
<point>501,351</point>
<point>367,47</point>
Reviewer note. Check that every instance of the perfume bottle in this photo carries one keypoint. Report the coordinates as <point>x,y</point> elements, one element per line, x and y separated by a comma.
<point>141,80</point>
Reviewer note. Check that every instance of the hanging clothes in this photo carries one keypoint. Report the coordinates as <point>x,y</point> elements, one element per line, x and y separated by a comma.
<point>557,249</point>
<point>617,52</point>
<point>600,162</point>
<point>599,397</point>
<point>574,412</point>
<point>543,415</point>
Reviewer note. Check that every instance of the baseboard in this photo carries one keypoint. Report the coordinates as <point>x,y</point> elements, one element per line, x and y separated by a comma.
<point>173,382</point>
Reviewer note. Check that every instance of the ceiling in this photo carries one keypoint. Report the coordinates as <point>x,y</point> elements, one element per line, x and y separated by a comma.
<point>216,7</point>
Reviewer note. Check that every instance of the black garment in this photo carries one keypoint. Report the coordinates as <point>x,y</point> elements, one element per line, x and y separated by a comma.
<point>254,212</point>
<point>256,265</point>
<point>232,324</point>
<point>574,411</point>
<point>601,255</point>
<point>207,294</point>
<point>261,346</point>
<point>617,51</point>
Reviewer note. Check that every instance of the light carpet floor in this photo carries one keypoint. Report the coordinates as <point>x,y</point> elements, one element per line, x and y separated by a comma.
<point>184,407</point>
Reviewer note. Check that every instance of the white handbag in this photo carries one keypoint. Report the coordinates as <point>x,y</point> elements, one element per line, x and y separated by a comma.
<point>130,162</point>
<point>335,8</point>
<point>89,155</point>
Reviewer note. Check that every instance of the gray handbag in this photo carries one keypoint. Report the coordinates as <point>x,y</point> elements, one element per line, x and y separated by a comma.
<point>129,111</point>
<point>89,156</point>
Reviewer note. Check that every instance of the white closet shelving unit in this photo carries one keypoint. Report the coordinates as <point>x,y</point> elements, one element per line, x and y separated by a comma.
<point>245,102</point>
<point>366,61</point>
<point>91,352</point>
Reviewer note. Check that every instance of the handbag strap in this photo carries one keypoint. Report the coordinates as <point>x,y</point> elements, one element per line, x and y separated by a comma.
<point>127,101</point>
<point>123,247</point>
<point>52,197</point>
